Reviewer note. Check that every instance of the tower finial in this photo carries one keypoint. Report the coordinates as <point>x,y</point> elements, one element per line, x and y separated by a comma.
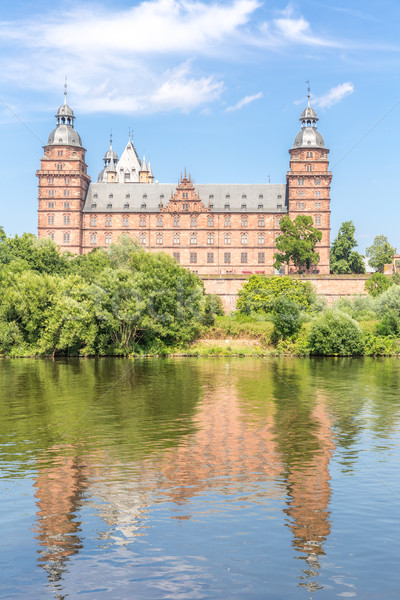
<point>110,138</point>
<point>65,90</point>
<point>308,92</point>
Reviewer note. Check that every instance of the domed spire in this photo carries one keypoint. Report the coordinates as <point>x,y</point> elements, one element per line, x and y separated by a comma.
<point>64,134</point>
<point>309,136</point>
<point>110,154</point>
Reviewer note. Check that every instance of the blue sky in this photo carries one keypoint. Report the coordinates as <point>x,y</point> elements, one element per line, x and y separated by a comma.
<point>217,87</point>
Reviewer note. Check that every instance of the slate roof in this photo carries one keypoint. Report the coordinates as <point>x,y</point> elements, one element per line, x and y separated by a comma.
<point>240,197</point>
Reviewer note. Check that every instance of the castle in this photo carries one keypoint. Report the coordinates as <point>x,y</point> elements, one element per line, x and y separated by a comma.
<point>209,228</point>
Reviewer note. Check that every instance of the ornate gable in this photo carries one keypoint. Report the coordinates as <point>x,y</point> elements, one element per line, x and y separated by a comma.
<point>185,198</point>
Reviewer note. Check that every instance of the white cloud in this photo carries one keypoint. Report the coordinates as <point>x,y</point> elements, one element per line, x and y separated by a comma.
<point>334,95</point>
<point>244,101</point>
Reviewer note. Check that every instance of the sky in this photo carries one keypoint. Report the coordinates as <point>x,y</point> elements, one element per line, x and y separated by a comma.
<point>213,86</point>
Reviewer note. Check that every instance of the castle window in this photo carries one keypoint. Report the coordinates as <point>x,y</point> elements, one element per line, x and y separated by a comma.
<point>317,193</point>
<point>66,205</point>
<point>227,196</point>
<point>185,206</point>
<point>177,221</point>
<point>177,239</point>
<point>193,257</point>
<point>159,238</point>
<point>127,176</point>
<point>317,205</point>
<point>66,192</point>
<point>193,238</point>
<point>210,257</point>
<point>309,154</point>
<point>193,222</point>
<point>260,197</point>
<point>125,221</point>
<point>142,239</point>
<point>244,207</point>
<point>300,205</point>
<point>210,238</point>
<point>177,256</point>
<point>109,205</point>
<point>244,221</point>
<point>50,204</point>
<point>261,238</point>
<point>210,222</point>
<point>227,221</point>
<point>243,257</point>
<point>161,196</point>
<point>211,206</point>
<point>143,206</point>
<point>51,180</point>
<point>59,153</point>
<point>261,258</point>
<point>66,180</point>
<point>108,238</point>
<point>50,219</point>
<point>110,196</point>
<point>159,221</point>
<point>144,196</point>
<point>317,182</point>
<point>108,221</point>
<point>95,195</point>
<point>317,220</point>
<point>126,205</point>
<point>243,237</point>
<point>261,221</point>
<point>227,258</point>
<point>300,182</point>
<point>279,206</point>
<point>93,238</point>
<point>300,192</point>
<point>127,196</point>
<point>261,207</point>
<point>309,168</point>
<point>142,222</point>
<point>279,196</point>
<point>227,238</point>
<point>211,197</point>
<point>93,221</point>
<point>227,206</point>
<point>94,205</point>
<point>66,237</point>
<point>51,235</point>
<point>67,220</point>
<point>278,221</point>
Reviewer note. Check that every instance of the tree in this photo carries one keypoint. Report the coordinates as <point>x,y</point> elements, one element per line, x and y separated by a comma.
<point>377,284</point>
<point>380,253</point>
<point>297,242</point>
<point>343,258</point>
<point>259,294</point>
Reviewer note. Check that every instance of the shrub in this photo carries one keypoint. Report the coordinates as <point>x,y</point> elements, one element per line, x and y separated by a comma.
<point>286,317</point>
<point>389,301</point>
<point>360,308</point>
<point>335,333</point>
<point>376,345</point>
<point>377,284</point>
<point>259,293</point>
<point>213,308</point>
<point>390,325</point>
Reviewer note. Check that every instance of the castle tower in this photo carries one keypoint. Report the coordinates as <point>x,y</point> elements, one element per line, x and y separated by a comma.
<point>109,172</point>
<point>63,182</point>
<point>309,181</point>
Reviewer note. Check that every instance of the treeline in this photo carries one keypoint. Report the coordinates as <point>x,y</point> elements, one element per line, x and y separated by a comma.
<point>303,324</point>
<point>120,301</point>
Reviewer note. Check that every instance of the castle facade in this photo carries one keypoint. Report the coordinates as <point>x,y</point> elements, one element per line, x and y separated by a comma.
<point>209,228</point>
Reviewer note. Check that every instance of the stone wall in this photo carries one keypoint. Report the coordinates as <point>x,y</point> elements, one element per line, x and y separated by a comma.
<point>331,287</point>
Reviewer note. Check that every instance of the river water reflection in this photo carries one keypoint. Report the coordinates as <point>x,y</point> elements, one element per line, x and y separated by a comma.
<point>198,478</point>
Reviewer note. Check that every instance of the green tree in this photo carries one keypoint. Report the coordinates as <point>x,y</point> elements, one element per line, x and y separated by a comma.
<point>377,284</point>
<point>297,242</point>
<point>380,253</point>
<point>286,317</point>
<point>37,254</point>
<point>336,333</point>
<point>259,293</point>
<point>343,258</point>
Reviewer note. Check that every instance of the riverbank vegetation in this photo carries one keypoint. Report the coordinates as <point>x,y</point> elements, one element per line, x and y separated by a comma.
<point>126,301</point>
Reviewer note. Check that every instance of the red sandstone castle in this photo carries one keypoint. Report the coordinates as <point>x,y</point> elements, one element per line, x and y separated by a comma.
<point>209,228</point>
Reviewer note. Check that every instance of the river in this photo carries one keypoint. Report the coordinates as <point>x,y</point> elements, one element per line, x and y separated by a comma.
<point>242,479</point>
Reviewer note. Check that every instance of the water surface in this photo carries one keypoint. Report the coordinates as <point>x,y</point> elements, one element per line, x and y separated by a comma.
<point>200,478</point>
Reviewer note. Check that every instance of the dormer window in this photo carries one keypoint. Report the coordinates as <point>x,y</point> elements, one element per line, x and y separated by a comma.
<point>143,206</point>
<point>144,196</point>
<point>260,206</point>
<point>94,205</point>
<point>279,206</point>
<point>127,196</point>
<point>244,206</point>
<point>109,205</point>
<point>95,195</point>
<point>279,196</point>
<point>126,205</point>
<point>227,206</point>
<point>244,196</point>
<point>227,196</point>
<point>110,196</point>
<point>161,196</point>
<point>211,197</point>
<point>260,197</point>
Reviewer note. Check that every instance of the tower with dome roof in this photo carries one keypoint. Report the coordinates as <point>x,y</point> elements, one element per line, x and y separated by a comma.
<point>63,183</point>
<point>309,181</point>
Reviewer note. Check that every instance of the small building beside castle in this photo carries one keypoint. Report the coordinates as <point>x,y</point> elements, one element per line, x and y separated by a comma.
<point>209,228</point>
